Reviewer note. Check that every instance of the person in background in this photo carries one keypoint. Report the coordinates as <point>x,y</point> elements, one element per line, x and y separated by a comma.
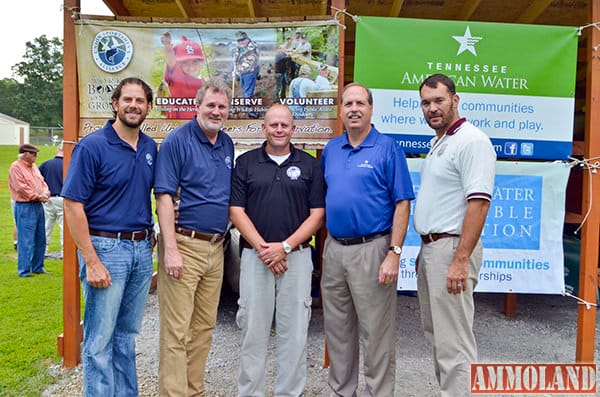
<point>193,185</point>
<point>277,204</point>
<point>52,171</point>
<point>182,69</point>
<point>246,56</point>
<point>361,255</point>
<point>322,81</point>
<point>457,180</point>
<point>29,191</point>
<point>108,209</point>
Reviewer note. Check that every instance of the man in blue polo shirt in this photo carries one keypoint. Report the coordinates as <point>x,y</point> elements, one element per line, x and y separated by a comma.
<point>367,209</point>
<point>52,171</point>
<point>277,203</point>
<point>193,184</point>
<point>109,213</point>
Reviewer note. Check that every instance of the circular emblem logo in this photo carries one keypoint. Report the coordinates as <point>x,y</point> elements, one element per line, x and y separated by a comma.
<point>112,51</point>
<point>293,173</point>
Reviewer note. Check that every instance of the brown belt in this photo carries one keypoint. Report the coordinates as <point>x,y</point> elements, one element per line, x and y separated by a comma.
<point>303,245</point>
<point>431,237</point>
<point>213,238</point>
<point>138,235</point>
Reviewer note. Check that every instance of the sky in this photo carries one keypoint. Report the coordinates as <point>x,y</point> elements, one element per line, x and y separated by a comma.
<point>25,20</point>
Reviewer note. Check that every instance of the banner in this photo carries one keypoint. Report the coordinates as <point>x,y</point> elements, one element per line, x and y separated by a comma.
<point>264,63</point>
<point>522,236</point>
<point>515,82</point>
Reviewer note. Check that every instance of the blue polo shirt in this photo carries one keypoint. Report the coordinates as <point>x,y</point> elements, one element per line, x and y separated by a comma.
<point>364,184</point>
<point>198,174</point>
<point>112,180</point>
<point>52,171</point>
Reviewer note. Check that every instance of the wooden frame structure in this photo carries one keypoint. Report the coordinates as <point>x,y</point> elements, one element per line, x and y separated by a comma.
<point>519,12</point>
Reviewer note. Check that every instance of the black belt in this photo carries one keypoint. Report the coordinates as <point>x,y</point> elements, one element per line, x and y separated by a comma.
<point>431,237</point>
<point>360,240</point>
<point>303,245</point>
<point>138,235</point>
<point>213,238</point>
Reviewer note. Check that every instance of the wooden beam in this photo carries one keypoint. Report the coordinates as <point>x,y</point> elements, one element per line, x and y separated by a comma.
<point>71,340</point>
<point>396,7</point>
<point>590,234</point>
<point>534,10</point>
<point>251,11</point>
<point>467,10</point>
<point>117,7</point>
<point>185,8</point>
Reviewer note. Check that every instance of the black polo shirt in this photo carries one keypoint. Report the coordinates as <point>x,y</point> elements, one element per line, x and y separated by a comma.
<point>277,198</point>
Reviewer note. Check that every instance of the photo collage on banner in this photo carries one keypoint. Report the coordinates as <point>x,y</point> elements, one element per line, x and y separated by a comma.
<point>291,63</point>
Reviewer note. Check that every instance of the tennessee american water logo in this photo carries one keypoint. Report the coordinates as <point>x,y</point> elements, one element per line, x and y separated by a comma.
<point>112,50</point>
<point>149,159</point>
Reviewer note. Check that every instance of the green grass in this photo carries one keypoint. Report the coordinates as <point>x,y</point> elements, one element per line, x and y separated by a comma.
<point>31,308</point>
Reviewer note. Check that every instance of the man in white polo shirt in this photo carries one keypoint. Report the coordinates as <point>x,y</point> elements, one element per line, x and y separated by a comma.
<point>453,200</point>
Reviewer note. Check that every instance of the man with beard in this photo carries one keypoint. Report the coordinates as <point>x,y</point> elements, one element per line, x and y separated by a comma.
<point>457,179</point>
<point>361,256</point>
<point>109,213</point>
<point>193,184</point>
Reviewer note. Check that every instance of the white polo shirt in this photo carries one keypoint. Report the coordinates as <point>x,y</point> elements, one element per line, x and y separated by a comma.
<point>459,166</point>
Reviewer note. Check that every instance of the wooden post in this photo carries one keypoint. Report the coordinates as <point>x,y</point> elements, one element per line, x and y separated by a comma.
<point>71,338</point>
<point>588,268</point>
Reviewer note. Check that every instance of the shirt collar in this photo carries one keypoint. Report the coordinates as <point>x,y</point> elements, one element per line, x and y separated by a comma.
<point>369,140</point>
<point>454,127</point>
<point>263,156</point>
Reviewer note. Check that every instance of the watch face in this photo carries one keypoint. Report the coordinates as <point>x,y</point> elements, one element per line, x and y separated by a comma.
<point>396,249</point>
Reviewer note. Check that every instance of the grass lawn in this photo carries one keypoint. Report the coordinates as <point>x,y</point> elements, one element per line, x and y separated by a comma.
<point>31,308</point>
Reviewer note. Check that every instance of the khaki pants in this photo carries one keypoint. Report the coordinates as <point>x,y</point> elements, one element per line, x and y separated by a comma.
<point>355,304</point>
<point>448,318</point>
<point>188,315</point>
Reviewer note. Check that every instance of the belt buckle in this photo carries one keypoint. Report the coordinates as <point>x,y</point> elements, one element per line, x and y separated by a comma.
<point>215,237</point>
<point>430,236</point>
<point>193,234</point>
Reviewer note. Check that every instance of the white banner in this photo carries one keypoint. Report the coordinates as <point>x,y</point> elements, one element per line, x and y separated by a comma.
<point>523,233</point>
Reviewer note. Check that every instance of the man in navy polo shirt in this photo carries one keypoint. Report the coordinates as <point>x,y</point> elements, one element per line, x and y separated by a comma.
<point>277,203</point>
<point>367,208</point>
<point>193,185</point>
<point>52,171</point>
<point>109,213</point>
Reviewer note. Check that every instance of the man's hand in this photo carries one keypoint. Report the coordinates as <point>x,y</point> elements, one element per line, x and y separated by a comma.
<point>458,272</point>
<point>274,257</point>
<point>173,263</point>
<point>388,270</point>
<point>97,274</point>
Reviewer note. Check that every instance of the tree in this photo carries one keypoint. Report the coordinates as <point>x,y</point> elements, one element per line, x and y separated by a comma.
<point>38,100</point>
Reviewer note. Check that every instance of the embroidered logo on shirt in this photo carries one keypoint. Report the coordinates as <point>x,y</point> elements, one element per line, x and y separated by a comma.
<point>228,162</point>
<point>293,173</point>
<point>365,165</point>
<point>442,149</point>
<point>149,159</point>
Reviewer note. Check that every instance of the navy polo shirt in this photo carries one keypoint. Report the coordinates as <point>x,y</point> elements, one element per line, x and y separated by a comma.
<point>112,180</point>
<point>277,198</point>
<point>52,171</point>
<point>198,174</point>
<point>364,183</point>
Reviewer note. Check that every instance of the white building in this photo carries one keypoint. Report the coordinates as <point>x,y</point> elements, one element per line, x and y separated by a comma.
<point>13,131</point>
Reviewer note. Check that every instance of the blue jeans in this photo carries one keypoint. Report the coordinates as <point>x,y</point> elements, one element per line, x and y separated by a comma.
<point>248,81</point>
<point>31,237</point>
<point>113,316</point>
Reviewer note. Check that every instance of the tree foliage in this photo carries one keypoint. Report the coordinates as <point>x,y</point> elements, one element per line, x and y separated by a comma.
<point>36,96</point>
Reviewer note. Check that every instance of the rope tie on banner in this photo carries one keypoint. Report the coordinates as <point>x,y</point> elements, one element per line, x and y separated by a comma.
<point>588,305</point>
<point>591,165</point>
<point>589,25</point>
<point>75,11</point>
<point>339,11</point>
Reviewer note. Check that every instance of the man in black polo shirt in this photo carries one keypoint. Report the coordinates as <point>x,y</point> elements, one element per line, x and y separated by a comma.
<point>277,203</point>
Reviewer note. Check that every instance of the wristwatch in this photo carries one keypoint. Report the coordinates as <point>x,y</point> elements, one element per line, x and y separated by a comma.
<point>286,247</point>
<point>396,249</point>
